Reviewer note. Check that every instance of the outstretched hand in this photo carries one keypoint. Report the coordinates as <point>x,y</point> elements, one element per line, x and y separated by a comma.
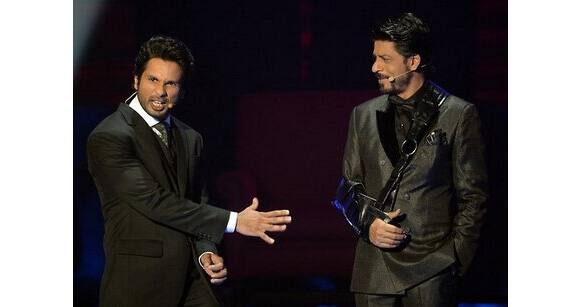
<point>253,223</point>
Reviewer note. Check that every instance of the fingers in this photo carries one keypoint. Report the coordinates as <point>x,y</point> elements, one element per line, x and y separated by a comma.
<point>387,240</point>
<point>385,245</point>
<point>216,258</point>
<point>386,235</point>
<point>277,213</point>
<point>390,238</point>
<point>273,228</point>
<point>216,274</point>
<point>218,277</point>
<point>251,222</point>
<point>206,260</point>
<point>278,220</point>
<point>266,238</point>
<point>391,231</point>
<point>217,281</point>
<point>277,228</point>
<point>393,214</point>
<point>215,269</point>
<point>255,203</point>
<point>212,263</point>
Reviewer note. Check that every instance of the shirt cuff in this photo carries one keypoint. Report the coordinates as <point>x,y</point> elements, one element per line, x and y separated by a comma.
<point>231,226</point>
<point>200,258</point>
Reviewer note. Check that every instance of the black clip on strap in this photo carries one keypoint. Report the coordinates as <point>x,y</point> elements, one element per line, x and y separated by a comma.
<point>423,117</point>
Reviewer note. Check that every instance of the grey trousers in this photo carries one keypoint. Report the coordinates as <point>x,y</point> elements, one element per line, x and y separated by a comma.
<point>438,291</point>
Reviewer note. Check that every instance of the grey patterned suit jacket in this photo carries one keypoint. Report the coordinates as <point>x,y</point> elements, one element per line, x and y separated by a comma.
<point>442,193</point>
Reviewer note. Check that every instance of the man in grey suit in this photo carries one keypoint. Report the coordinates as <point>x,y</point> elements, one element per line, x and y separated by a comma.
<point>440,198</point>
<point>160,235</point>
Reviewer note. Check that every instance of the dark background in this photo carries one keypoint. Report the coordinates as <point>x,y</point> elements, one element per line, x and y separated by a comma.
<point>275,82</point>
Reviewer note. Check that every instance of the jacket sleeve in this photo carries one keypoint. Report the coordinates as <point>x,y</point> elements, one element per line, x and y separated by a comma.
<point>352,166</point>
<point>353,181</point>
<point>203,246</point>
<point>470,180</point>
<point>122,178</point>
<point>199,188</point>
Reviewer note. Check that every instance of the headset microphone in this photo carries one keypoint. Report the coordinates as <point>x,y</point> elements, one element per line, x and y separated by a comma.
<point>392,79</point>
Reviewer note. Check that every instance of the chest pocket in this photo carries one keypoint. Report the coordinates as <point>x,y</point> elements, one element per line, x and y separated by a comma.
<point>433,159</point>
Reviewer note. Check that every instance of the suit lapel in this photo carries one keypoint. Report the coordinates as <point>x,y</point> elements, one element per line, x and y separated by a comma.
<point>149,148</point>
<point>385,126</point>
<point>181,156</point>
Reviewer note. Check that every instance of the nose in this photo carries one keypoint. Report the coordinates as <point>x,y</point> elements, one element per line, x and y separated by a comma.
<point>375,66</point>
<point>160,90</point>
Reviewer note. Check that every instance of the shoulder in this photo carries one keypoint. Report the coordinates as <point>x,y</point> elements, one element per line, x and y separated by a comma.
<point>188,131</point>
<point>452,103</point>
<point>456,107</point>
<point>376,103</point>
<point>115,128</point>
<point>456,103</point>
<point>369,107</point>
<point>457,113</point>
<point>113,124</point>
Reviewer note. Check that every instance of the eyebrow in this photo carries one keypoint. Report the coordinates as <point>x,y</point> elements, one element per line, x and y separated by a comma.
<point>150,76</point>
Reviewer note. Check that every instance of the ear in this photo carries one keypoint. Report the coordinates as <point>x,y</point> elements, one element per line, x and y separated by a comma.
<point>414,61</point>
<point>135,82</point>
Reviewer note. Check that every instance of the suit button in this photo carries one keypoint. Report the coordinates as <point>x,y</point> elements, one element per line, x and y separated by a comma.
<point>406,196</point>
<point>382,162</point>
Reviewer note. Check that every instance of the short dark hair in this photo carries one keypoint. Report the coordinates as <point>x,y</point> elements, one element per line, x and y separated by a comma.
<point>165,48</point>
<point>409,34</point>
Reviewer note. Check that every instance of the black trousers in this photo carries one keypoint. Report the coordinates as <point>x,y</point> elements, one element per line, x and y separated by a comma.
<point>199,292</point>
<point>438,291</point>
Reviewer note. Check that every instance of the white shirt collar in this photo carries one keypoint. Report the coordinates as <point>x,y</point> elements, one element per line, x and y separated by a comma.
<point>150,120</point>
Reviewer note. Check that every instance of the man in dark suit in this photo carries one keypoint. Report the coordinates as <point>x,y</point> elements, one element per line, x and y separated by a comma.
<point>158,227</point>
<point>441,195</point>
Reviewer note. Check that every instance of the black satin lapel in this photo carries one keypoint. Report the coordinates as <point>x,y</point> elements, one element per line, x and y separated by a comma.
<point>181,155</point>
<point>153,156</point>
<point>385,122</point>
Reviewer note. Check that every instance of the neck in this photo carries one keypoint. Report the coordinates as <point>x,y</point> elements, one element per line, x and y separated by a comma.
<point>415,84</point>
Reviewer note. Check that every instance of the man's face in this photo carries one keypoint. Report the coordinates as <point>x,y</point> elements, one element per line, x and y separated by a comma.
<point>389,63</point>
<point>158,88</point>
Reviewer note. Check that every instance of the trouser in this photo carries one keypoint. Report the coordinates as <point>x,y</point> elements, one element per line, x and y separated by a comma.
<point>198,289</point>
<point>438,291</point>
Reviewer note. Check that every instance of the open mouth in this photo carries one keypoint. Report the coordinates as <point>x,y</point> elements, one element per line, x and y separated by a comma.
<point>381,77</point>
<point>158,105</point>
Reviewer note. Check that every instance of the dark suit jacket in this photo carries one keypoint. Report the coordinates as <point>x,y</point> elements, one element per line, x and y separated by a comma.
<point>152,213</point>
<point>442,193</point>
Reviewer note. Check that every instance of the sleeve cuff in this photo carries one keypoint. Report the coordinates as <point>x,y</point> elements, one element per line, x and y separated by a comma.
<point>231,226</point>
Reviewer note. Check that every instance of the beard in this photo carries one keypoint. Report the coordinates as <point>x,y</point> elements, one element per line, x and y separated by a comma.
<point>157,107</point>
<point>394,88</point>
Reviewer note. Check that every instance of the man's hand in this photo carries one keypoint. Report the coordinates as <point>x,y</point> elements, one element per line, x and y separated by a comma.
<point>253,223</point>
<point>213,265</point>
<point>385,235</point>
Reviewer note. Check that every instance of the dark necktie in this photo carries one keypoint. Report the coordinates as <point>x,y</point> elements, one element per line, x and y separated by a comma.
<point>166,139</point>
<point>163,130</point>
